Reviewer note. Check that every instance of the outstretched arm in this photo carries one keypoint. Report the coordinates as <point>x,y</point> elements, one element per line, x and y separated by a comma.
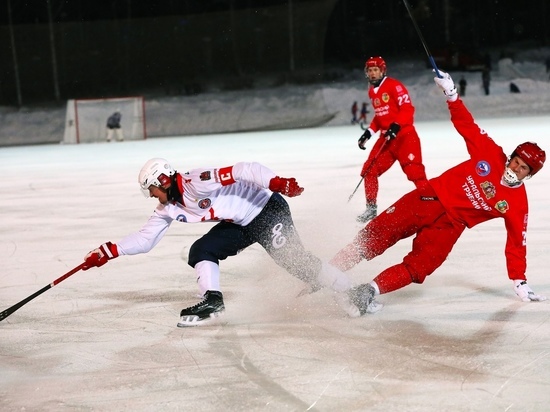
<point>262,176</point>
<point>477,140</point>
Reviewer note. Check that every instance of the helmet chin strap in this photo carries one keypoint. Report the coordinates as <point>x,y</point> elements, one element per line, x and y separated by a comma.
<point>376,82</point>
<point>173,192</point>
<point>509,178</point>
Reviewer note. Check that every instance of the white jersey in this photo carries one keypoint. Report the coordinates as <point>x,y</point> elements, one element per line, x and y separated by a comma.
<point>235,194</point>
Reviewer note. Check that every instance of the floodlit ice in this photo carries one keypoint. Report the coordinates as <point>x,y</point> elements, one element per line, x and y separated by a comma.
<point>106,339</point>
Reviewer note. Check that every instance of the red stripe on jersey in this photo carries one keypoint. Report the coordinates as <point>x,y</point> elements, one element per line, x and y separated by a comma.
<point>226,175</point>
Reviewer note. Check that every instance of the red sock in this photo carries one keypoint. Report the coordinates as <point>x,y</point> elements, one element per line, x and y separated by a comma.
<point>393,278</point>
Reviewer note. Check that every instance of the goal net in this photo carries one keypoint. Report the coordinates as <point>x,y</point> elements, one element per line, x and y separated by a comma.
<point>86,119</point>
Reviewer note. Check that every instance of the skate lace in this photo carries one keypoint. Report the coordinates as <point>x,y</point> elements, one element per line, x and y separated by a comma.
<point>202,302</point>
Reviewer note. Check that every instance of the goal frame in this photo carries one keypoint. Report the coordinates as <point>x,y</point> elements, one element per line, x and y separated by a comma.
<point>74,136</point>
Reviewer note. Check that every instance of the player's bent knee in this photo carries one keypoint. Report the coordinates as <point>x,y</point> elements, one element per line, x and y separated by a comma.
<point>199,252</point>
<point>417,275</point>
<point>414,172</point>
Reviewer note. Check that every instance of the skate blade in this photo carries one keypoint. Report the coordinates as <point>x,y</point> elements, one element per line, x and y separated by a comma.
<point>193,320</point>
<point>309,290</point>
<point>342,300</point>
<point>374,307</point>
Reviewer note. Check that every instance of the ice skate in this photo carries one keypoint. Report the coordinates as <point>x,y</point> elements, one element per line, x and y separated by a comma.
<point>343,301</point>
<point>310,289</point>
<point>203,312</point>
<point>358,301</point>
<point>369,214</point>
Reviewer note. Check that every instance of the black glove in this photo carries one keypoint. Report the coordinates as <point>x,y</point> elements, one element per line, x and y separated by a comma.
<point>363,139</point>
<point>392,131</point>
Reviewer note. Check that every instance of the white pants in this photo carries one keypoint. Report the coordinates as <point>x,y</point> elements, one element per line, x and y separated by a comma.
<point>119,134</point>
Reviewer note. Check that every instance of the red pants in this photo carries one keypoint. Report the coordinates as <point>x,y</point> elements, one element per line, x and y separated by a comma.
<point>417,213</point>
<point>405,149</point>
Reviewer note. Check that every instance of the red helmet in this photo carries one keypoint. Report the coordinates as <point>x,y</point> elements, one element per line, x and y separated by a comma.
<point>376,62</point>
<point>531,154</point>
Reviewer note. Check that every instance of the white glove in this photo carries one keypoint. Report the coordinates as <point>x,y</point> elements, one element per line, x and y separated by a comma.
<point>446,84</point>
<point>525,293</point>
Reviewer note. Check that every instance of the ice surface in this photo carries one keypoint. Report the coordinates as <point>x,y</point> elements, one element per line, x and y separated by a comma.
<point>106,339</point>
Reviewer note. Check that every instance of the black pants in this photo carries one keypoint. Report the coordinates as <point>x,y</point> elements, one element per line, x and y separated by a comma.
<point>273,228</point>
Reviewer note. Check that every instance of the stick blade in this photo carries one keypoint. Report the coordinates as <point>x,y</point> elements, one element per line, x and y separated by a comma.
<point>5,313</point>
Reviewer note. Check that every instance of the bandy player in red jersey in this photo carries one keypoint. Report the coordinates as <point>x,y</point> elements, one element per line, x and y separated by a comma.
<point>487,186</point>
<point>245,199</point>
<point>398,141</point>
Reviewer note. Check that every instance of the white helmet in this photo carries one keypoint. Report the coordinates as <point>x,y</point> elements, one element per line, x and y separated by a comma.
<point>155,172</point>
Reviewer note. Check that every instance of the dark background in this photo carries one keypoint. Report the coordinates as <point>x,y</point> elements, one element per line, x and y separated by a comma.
<point>53,50</point>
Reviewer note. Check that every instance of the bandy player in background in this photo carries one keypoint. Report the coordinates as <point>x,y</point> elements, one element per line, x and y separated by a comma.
<point>489,185</point>
<point>398,141</point>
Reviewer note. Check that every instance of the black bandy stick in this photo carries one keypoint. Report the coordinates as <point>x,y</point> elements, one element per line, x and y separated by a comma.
<point>430,57</point>
<point>5,313</point>
<point>368,169</point>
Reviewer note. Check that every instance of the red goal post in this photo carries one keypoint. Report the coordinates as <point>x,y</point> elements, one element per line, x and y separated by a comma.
<point>86,119</point>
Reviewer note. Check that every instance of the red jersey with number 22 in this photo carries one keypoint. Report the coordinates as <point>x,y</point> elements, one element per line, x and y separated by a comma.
<point>391,103</point>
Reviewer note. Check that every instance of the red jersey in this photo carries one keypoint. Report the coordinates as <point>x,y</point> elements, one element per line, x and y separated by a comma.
<point>391,103</point>
<point>472,192</point>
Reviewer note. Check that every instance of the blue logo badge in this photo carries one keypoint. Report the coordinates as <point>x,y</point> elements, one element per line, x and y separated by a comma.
<point>483,168</point>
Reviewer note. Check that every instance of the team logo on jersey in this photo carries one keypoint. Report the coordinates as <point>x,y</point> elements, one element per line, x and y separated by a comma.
<point>483,168</point>
<point>205,176</point>
<point>489,189</point>
<point>376,102</point>
<point>181,218</point>
<point>502,206</point>
<point>204,203</point>
<point>278,240</point>
<point>385,97</point>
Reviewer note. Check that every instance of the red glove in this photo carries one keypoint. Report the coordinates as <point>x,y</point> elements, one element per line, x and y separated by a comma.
<point>287,187</point>
<point>98,257</point>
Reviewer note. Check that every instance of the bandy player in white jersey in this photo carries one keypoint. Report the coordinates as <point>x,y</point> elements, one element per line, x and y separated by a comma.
<point>246,201</point>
